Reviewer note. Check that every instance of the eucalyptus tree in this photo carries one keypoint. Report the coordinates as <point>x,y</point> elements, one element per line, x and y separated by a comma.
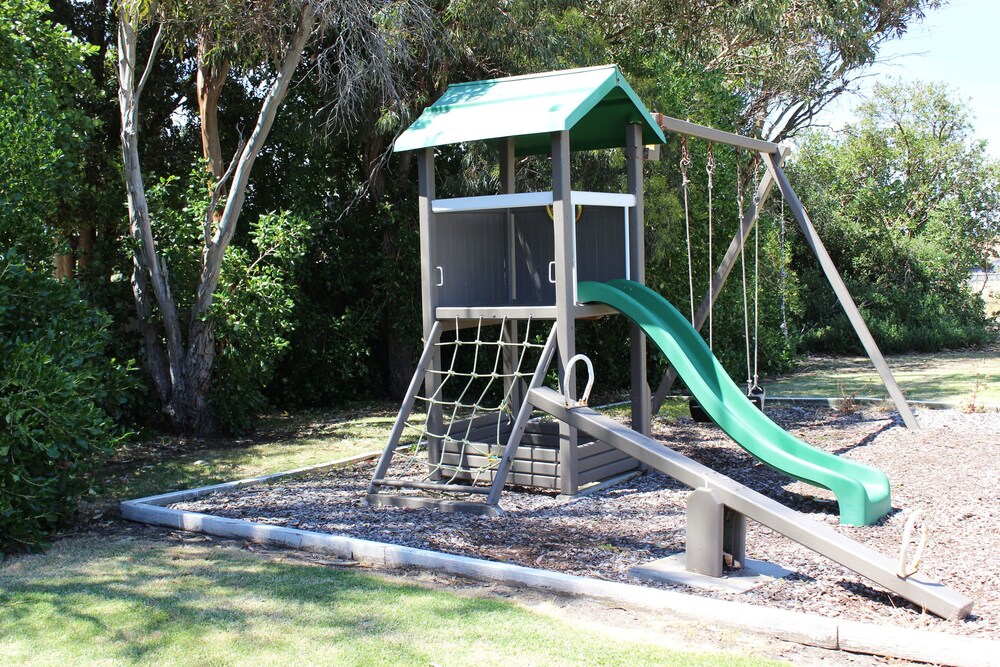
<point>786,59</point>
<point>909,202</point>
<point>357,48</point>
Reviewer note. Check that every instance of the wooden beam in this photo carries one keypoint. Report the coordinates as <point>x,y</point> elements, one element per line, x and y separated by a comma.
<point>513,388</point>
<point>711,134</point>
<point>843,294</point>
<point>918,587</point>
<point>429,292</point>
<point>641,415</point>
<point>523,414</point>
<point>430,348</point>
<point>564,226</point>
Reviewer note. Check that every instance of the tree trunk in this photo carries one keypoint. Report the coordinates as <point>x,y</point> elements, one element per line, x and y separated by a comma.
<point>182,374</point>
<point>211,78</point>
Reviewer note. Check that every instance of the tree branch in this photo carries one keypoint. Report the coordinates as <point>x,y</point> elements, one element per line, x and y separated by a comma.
<point>217,193</point>
<point>157,42</point>
<point>214,250</point>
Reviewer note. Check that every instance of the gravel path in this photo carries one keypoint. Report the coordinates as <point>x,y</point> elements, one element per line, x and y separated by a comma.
<point>950,469</point>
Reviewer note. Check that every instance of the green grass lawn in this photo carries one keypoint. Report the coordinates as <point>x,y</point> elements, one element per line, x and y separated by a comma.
<point>126,601</point>
<point>283,442</point>
<point>952,377</point>
<point>123,599</point>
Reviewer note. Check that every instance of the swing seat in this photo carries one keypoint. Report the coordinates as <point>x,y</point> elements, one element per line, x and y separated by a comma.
<point>698,414</point>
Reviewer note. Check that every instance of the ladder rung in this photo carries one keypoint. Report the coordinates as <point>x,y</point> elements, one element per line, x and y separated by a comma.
<point>431,486</point>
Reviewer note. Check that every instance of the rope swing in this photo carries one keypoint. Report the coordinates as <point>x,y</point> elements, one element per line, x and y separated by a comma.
<point>754,391</point>
<point>710,171</point>
<point>685,164</point>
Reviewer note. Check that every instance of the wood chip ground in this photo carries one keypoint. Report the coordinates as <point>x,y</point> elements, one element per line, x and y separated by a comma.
<point>950,469</point>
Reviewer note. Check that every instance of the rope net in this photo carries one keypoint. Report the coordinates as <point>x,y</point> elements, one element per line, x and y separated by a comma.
<point>457,431</point>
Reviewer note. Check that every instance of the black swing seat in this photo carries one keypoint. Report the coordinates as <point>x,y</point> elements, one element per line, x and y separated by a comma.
<point>756,396</point>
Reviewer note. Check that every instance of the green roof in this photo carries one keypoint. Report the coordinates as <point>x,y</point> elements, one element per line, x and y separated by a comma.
<point>594,103</point>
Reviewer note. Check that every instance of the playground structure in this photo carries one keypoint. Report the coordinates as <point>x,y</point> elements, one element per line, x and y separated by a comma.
<point>496,270</point>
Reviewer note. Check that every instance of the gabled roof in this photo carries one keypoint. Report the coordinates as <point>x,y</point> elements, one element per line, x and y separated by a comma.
<point>594,103</point>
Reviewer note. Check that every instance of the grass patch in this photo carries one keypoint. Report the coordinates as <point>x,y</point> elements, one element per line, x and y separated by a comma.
<point>942,376</point>
<point>283,442</point>
<point>674,408</point>
<point>93,600</point>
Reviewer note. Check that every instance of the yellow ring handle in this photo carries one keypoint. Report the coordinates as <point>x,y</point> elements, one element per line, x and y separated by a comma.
<point>579,211</point>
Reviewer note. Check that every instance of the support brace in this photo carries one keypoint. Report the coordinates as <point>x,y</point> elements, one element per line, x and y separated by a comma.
<point>843,294</point>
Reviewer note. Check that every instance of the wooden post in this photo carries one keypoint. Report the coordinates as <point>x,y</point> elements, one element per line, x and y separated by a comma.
<point>641,416</point>
<point>564,229</point>
<point>843,294</point>
<point>512,387</point>
<point>429,294</point>
<point>703,544</point>
<point>750,217</point>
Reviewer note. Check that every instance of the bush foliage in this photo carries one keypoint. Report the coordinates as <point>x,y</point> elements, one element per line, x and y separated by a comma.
<point>908,203</point>
<point>59,394</point>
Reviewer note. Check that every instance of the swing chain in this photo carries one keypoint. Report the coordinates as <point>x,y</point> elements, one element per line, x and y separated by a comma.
<point>756,269</point>
<point>756,192</point>
<point>685,161</point>
<point>743,266</point>
<point>784,274</point>
<point>739,185</point>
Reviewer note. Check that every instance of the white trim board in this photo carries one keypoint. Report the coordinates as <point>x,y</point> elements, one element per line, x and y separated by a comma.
<point>801,628</point>
<point>530,199</point>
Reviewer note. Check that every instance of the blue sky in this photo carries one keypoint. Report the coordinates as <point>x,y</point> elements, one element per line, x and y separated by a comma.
<point>958,44</point>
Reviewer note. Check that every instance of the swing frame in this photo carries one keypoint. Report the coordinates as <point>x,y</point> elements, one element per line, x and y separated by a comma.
<point>773,156</point>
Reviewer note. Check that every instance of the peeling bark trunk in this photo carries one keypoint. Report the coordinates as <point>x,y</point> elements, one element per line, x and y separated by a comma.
<point>211,78</point>
<point>182,373</point>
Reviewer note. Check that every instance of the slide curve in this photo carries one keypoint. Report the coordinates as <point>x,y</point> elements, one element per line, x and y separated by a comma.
<point>862,491</point>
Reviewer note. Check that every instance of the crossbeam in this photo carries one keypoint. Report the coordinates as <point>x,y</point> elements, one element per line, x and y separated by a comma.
<point>718,136</point>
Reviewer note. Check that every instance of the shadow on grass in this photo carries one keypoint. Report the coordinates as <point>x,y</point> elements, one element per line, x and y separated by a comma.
<point>136,602</point>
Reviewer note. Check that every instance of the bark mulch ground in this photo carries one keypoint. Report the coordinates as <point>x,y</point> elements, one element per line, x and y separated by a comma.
<point>950,469</point>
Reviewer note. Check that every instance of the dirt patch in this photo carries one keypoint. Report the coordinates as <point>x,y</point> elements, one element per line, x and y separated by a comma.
<point>949,469</point>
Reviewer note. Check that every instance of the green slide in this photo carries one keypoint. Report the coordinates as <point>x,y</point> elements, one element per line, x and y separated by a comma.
<point>862,491</point>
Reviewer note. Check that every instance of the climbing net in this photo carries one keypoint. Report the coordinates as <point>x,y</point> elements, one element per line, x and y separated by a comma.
<point>457,431</point>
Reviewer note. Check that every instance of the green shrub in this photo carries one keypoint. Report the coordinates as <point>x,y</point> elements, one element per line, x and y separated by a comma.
<point>57,392</point>
<point>255,301</point>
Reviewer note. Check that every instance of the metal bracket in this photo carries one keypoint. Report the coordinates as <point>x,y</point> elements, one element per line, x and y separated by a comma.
<point>590,380</point>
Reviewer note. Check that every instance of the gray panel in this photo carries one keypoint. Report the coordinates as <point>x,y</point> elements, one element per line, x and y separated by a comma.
<point>600,243</point>
<point>534,249</point>
<point>471,251</point>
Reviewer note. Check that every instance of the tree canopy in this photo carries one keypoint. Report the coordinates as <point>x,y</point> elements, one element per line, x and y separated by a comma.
<point>909,202</point>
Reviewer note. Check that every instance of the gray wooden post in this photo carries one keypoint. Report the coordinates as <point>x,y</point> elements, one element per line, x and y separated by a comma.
<point>843,294</point>
<point>430,346</point>
<point>703,545</point>
<point>564,222</point>
<point>641,416</point>
<point>429,294</point>
<point>517,431</point>
<point>750,217</point>
<point>512,387</point>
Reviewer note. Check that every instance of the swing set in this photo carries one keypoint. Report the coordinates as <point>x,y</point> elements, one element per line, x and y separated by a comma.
<point>754,391</point>
<point>498,270</point>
